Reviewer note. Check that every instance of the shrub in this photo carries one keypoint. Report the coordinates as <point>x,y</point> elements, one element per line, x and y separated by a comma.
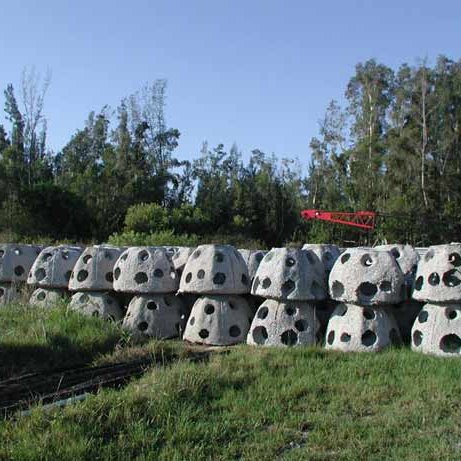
<point>146,218</point>
<point>162,238</point>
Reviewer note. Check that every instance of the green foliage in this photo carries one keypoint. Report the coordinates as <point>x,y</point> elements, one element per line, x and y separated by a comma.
<point>146,218</point>
<point>162,238</point>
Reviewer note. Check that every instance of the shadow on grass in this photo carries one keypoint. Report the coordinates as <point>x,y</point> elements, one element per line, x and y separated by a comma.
<point>59,353</point>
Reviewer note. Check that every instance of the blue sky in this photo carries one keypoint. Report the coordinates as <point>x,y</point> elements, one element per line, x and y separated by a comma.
<point>259,73</point>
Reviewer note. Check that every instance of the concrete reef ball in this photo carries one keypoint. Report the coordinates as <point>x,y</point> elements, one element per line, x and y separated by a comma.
<point>406,257</point>
<point>327,253</point>
<point>180,258</point>
<point>438,278</point>
<point>9,292</point>
<point>215,269</point>
<point>218,321</point>
<point>156,316</point>
<point>437,330</point>
<point>405,315</point>
<point>53,266</point>
<point>367,277</point>
<point>290,274</point>
<point>46,297</point>
<point>94,268</point>
<point>96,304</point>
<point>252,259</point>
<point>355,328</point>
<point>292,323</point>
<point>145,270</point>
<point>16,261</point>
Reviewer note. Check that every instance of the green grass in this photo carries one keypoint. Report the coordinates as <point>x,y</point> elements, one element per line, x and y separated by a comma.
<point>256,403</point>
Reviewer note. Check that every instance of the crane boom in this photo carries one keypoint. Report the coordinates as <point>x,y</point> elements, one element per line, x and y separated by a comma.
<point>361,219</point>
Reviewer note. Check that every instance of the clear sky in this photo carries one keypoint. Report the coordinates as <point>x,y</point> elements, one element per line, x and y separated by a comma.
<point>257,72</point>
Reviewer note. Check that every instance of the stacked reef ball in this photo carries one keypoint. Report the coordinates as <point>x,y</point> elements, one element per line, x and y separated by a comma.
<point>149,274</point>
<point>437,329</point>
<point>92,283</point>
<point>366,282</point>
<point>291,281</point>
<point>50,274</point>
<point>15,263</point>
<point>219,275</point>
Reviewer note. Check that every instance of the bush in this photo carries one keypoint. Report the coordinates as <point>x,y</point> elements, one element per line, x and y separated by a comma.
<point>146,218</point>
<point>162,238</point>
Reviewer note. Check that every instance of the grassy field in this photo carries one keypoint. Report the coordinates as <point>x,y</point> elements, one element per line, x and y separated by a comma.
<point>243,403</point>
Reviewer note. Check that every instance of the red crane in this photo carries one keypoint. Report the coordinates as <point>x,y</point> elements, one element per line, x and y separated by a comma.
<point>361,219</point>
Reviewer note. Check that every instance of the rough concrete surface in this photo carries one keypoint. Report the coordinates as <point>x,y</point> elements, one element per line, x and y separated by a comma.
<point>156,316</point>
<point>218,320</point>
<point>16,261</point>
<point>94,268</point>
<point>291,323</point>
<point>145,270</point>
<point>215,269</point>
<point>438,277</point>
<point>367,277</point>
<point>53,266</point>
<point>9,292</point>
<point>327,253</point>
<point>97,304</point>
<point>180,258</point>
<point>290,274</point>
<point>437,330</point>
<point>405,314</point>
<point>252,259</point>
<point>47,297</point>
<point>355,328</point>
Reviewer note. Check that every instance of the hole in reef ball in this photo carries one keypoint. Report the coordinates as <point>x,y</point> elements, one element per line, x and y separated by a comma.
<point>117,273</point>
<point>259,335</point>
<point>417,338</point>
<point>310,256</point>
<point>192,321</point>
<point>152,305</point>
<point>288,287</point>
<point>109,277</point>
<point>219,257</point>
<point>429,255</point>
<point>454,259</point>
<point>450,279</point>
<point>366,260</point>
<point>289,338</point>
<point>84,298</point>
<point>2,253</point>
<point>340,310</point>
<point>87,258</point>
<point>209,309</point>
<point>204,333</point>
<point>140,277</point>
<point>331,337</point>
<point>47,256</point>
<point>19,270</point>
<point>143,255</point>
<point>41,296</point>
<point>40,274</point>
<point>234,331</point>
<point>369,314</point>
<point>158,273</point>
<point>244,279</point>
<point>143,326</point>
<point>290,310</point>
<point>65,255</point>
<point>451,344</point>
<point>82,275</point>
<point>434,279</point>
<point>290,262</point>
<point>395,253</point>
<point>188,277</point>
<point>201,274</point>
<point>2,292</point>
<point>124,256</point>
<point>367,289</point>
<point>337,289</point>
<point>419,283</point>
<point>317,290</point>
<point>345,257</point>
<point>219,278</point>
<point>95,314</point>
<point>385,286</point>
<point>345,337</point>
<point>232,305</point>
<point>266,283</point>
<point>262,312</point>
<point>368,338</point>
<point>68,275</point>
<point>450,313</point>
<point>301,325</point>
<point>422,316</point>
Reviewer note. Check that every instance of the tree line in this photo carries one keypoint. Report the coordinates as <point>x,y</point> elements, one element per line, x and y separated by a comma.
<point>394,148</point>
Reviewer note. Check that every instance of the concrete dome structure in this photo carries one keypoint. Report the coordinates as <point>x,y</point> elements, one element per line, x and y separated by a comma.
<point>46,297</point>
<point>215,269</point>
<point>367,277</point>
<point>290,274</point>
<point>252,259</point>
<point>96,304</point>
<point>9,292</point>
<point>16,261</point>
<point>326,252</point>
<point>218,320</point>
<point>291,323</point>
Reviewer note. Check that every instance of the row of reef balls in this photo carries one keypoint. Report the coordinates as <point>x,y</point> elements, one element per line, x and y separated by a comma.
<point>358,299</point>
